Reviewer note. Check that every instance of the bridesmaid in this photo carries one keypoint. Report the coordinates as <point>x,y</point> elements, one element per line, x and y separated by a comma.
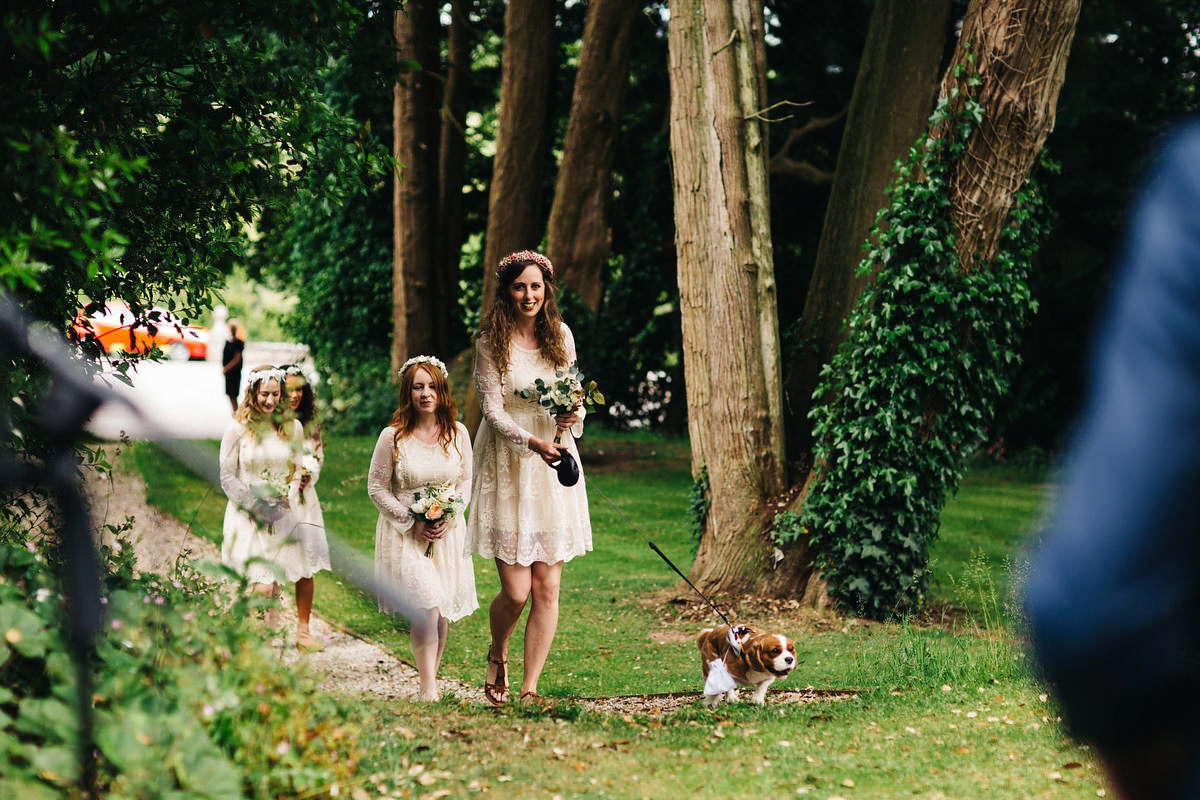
<point>260,474</point>
<point>427,561</point>
<point>311,522</point>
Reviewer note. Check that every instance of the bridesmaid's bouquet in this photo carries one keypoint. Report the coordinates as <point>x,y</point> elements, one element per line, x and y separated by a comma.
<point>308,465</point>
<point>565,394</point>
<point>271,492</point>
<point>432,503</point>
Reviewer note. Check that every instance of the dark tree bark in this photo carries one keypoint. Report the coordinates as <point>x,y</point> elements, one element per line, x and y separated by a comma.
<point>578,234</point>
<point>893,97</point>
<point>515,194</point>
<point>1020,52</point>
<point>415,145</point>
<point>452,167</point>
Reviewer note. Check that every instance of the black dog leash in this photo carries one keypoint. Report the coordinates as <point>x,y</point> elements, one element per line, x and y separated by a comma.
<point>731,637</point>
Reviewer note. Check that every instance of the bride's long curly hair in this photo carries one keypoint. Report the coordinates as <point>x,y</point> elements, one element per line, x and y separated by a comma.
<point>501,320</point>
<point>404,418</point>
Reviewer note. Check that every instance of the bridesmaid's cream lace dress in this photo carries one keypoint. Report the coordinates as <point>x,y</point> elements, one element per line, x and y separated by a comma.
<point>445,579</point>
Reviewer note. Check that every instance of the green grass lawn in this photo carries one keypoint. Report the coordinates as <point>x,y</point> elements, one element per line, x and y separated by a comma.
<point>941,711</point>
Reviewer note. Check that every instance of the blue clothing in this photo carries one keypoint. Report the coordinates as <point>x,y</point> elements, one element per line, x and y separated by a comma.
<point>1113,595</point>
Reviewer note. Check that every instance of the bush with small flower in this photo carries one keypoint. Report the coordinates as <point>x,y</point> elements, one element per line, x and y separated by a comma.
<point>188,698</point>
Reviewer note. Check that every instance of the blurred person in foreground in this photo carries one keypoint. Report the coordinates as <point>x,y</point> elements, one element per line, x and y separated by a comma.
<point>1112,597</point>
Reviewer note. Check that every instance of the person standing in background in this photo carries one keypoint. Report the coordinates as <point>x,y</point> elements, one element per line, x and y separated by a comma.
<point>231,362</point>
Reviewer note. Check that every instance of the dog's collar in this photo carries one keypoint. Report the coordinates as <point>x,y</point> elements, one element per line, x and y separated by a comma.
<point>734,638</point>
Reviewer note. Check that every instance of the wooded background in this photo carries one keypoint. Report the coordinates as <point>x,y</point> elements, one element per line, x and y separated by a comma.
<point>704,175</point>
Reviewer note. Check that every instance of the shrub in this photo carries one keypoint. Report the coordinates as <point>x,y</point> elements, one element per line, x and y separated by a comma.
<point>187,698</point>
<point>929,350</point>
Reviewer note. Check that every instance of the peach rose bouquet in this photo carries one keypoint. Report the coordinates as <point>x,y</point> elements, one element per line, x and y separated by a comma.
<point>432,503</point>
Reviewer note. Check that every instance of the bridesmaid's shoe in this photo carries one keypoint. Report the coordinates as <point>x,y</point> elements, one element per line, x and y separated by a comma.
<point>496,691</point>
<point>306,642</point>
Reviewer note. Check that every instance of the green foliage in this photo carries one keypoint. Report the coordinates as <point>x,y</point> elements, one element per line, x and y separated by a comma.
<point>334,253</point>
<point>698,500</point>
<point>141,140</point>
<point>787,527</point>
<point>185,703</point>
<point>930,349</point>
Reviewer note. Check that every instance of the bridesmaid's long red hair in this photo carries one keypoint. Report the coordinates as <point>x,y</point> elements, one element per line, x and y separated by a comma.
<point>404,418</point>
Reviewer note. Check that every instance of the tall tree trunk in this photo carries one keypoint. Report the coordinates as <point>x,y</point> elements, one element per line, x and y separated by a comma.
<point>514,199</point>
<point>893,96</point>
<point>578,235</point>
<point>726,282</point>
<point>1019,50</point>
<point>415,116</point>
<point>452,168</point>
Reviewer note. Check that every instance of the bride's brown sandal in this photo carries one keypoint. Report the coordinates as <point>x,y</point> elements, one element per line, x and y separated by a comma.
<point>533,699</point>
<point>496,692</point>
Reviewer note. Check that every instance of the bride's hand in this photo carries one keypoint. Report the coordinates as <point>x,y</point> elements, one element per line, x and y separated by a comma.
<point>550,452</point>
<point>566,421</point>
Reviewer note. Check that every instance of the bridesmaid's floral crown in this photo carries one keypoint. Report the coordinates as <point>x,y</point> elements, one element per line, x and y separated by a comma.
<point>524,257</point>
<point>263,375</point>
<point>431,360</point>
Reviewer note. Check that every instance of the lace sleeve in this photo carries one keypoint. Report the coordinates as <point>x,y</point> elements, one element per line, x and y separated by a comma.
<point>236,489</point>
<point>465,471</point>
<point>295,457</point>
<point>314,455</point>
<point>488,383</point>
<point>572,357</point>
<point>379,480</point>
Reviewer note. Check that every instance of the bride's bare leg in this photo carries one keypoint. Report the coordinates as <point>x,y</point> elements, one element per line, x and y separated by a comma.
<point>543,622</point>
<point>505,611</point>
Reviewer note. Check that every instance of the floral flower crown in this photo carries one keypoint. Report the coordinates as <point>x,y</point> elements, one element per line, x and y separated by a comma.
<point>263,375</point>
<point>524,257</point>
<point>433,360</point>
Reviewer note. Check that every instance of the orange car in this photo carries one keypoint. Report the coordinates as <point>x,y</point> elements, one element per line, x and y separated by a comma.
<point>112,325</point>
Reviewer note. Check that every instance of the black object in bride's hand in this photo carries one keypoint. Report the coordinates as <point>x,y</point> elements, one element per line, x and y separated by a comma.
<point>564,396</point>
<point>567,468</point>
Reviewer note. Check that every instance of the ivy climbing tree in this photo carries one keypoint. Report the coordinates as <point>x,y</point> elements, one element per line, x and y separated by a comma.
<point>930,348</point>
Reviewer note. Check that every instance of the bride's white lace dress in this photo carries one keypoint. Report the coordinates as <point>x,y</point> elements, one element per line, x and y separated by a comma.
<point>520,513</point>
<point>445,579</point>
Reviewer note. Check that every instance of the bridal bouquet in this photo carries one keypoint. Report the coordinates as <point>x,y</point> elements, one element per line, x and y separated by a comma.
<point>432,503</point>
<point>565,394</point>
